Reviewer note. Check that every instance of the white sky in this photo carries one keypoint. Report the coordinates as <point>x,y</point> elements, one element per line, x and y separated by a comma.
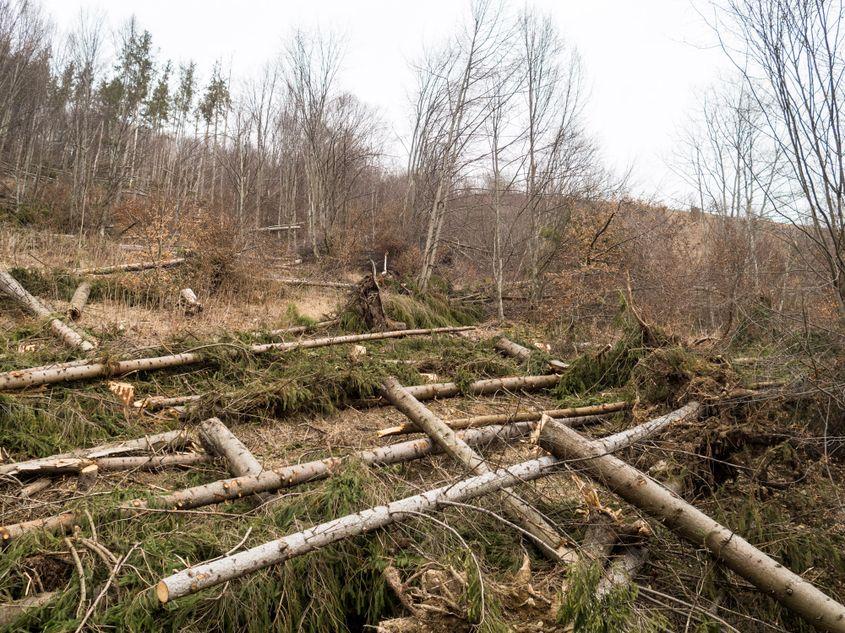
<point>645,60</point>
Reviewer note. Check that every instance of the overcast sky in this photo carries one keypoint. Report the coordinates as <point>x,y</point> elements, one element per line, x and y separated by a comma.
<point>646,60</point>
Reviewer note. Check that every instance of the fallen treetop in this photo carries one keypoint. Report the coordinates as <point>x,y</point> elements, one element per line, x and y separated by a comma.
<point>76,370</point>
<point>129,268</point>
<point>193,579</point>
<point>637,488</point>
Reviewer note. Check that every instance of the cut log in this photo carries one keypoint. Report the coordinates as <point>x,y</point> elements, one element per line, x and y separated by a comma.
<point>615,442</point>
<point>78,301</point>
<point>189,302</point>
<point>523,354</point>
<point>298,329</point>
<point>67,372</point>
<point>87,477</point>
<point>289,476</point>
<point>130,268</point>
<point>219,491</point>
<point>34,487</point>
<point>155,403</point>
<point>160,441</point>
<point>10,287</point>
<point>151,462</point>
<point>591,412</point>
<point>11,611</point>
<point>219,440</point>
<point>545,535</point>
<point>58,523</point>
<point>484,387</point>
<point>637,488</point>
<point>313,282</point>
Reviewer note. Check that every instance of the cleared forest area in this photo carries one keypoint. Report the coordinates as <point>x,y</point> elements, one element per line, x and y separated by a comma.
<point>256,377</point>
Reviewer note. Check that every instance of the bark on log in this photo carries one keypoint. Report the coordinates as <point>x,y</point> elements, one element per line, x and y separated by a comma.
<point>66,372</point>
<point>155,403</point>
<point>160,441</point>
<point>550,542</point>
<point>35,487</point>
<point>591,412</point>
<point>514,350</point>
<point>11,611</point>
<point>227,568</point>
<point>130,268</point>
<point>57,523</point>
<point>10,286</point>
<point>219,440</point>
<point>289,476</point>
<point>690,523</point>
<point>152,462</point>
<point>78,301</point>
<point>87,477</point>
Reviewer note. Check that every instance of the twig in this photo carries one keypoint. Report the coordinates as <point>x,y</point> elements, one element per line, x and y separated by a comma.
<point>105,588</point>
<point>83,594</point>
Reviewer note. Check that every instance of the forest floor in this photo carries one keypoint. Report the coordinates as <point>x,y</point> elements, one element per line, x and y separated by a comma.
<point>761,461</point>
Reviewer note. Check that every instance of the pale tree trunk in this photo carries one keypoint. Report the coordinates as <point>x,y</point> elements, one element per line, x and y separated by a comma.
<point>72,338</point>
<point>550,542</point>
<point>637,488</point>
<point>78,301</point>
<point>218,439</point>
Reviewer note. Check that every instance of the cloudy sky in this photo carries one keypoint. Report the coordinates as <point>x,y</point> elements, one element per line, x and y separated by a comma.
<point>646,61</point>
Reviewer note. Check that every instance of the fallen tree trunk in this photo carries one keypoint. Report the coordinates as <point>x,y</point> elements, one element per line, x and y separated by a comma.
<point>523,354</point>
<point>10,287</point>
<point>592,411</point>
<point>11,611</point>
<point>74,370</point>
<point>313,282</point>
<point>551,543</point>
<point>58,523</point>
<point>151,462</point>
<point>690,523</point>
<point>298,329</point>
<point>78,301</point>
<point>129,268</point>
<point>160,441</point>
<point>190,303</point>
<point>219,440</point>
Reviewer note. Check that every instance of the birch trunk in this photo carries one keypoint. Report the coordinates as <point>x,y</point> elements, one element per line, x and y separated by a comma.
<point>690,523</point>
<point>75,370</point>
<point>78,301</point>
<point>219,440</point>
<point>314,282</point>
<point>10,286</point>
<point>523,354</point>
<point>130,268</point>
<point>583,415</point>
<point>160,441</point>
<point>551,543</point>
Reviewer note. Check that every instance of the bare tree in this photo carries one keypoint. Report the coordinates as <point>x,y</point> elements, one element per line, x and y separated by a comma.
<point>790,53</point>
